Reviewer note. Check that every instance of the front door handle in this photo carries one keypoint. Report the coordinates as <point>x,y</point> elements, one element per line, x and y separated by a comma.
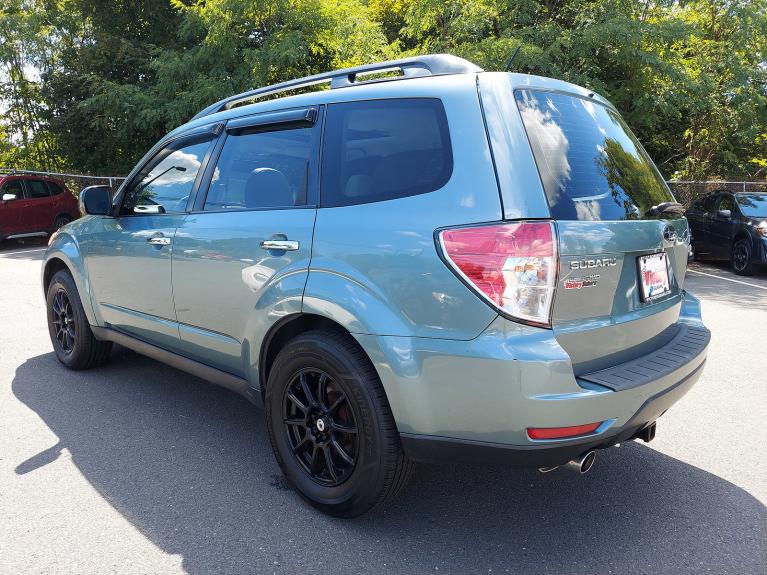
<point>280,245</point>
<point>159,241</point>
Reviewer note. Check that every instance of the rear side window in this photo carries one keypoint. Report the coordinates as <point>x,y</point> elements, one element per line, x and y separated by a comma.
<point>591,165</point>
<point>37,189</point>
<point>55,188</point>
<point>384,149</point>
<point>261,170</point>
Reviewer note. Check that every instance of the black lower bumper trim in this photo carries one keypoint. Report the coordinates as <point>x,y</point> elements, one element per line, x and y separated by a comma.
<point>436,449</point>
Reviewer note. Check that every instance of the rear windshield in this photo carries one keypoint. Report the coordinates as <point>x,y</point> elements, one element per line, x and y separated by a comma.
<point>753,205</point>
<point>591,165</point>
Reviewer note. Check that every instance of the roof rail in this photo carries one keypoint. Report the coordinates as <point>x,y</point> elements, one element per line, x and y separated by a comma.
<point>416,66</point>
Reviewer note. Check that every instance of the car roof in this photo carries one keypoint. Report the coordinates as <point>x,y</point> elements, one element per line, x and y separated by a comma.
<point>18,176</point>
<point>454,73</point>
<point>404,87</point>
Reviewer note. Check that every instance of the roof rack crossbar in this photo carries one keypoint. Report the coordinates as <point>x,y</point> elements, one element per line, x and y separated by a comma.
<point>429,65</point>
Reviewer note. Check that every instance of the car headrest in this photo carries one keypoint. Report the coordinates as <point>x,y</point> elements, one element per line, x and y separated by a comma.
<point>268,188</point>
<point>359,185</point>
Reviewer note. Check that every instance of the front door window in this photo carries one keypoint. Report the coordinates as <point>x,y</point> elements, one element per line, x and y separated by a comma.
<point>14,187</point>
<point>165,183</point>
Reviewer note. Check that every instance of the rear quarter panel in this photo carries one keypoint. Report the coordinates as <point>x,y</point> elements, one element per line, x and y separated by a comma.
<point>375,268</point>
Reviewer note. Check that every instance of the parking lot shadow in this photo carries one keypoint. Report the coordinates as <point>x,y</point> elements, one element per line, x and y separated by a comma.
<point>190,466</point>
<point>29,250</point>
<point>750,295</point>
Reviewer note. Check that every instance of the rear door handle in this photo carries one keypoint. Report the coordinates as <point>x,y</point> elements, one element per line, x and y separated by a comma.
<point>280,245</point>
<point>159,241</point>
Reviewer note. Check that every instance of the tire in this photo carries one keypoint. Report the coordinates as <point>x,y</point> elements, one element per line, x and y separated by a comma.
<point>71,335</point>
<point>61,221</point>
<point>740,258</point>
<point>353,398</point>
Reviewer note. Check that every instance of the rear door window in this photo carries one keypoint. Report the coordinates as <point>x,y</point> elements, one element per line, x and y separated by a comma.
<point>262,170</point>
<point>37,189</point>
<point>377,150</point>
<point>591,165</point>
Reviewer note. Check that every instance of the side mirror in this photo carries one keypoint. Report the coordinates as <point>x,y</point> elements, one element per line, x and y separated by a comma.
<point>9,197</point>
<point>724,214</point>
<point>96,200</point>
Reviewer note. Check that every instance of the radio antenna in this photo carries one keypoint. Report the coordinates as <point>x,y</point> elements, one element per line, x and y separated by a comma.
<point>511,60</point>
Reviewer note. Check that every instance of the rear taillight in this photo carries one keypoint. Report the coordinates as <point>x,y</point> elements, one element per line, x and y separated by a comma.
<point>512,265</point>
<point>562,432</point>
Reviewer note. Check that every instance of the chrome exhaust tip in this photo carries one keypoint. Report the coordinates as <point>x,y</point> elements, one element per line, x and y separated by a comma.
<point>583,463</point>
<point>648,433</point>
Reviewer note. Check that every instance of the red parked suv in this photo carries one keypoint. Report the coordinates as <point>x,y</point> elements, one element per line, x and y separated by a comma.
<point>34,206</point>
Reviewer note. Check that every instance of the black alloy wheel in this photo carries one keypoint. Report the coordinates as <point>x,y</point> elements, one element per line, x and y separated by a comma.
<point>741,258</point>
<point>320,427</point>
<point>71,335</point>
<point>63,321</point>
<point>331,426</point>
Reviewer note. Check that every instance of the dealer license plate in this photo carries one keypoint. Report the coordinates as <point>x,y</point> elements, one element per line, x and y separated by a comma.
<point>653,276</point>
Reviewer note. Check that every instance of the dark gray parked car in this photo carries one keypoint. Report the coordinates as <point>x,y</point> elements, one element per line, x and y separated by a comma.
<point>730,226</point>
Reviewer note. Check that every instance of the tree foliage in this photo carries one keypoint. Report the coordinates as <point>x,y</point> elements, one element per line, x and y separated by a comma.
<point>91,84</point>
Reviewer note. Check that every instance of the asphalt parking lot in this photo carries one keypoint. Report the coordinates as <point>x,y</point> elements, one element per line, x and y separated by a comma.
<point>139,468</point>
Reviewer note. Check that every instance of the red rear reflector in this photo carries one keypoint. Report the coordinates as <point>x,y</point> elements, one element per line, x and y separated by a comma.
<point>512,265</point>
<point>561,432</point>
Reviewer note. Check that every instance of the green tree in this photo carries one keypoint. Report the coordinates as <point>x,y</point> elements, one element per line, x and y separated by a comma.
<point>689,77</point>
<point>91,84</point>
<point>25,47</point>
<point>100,88</point>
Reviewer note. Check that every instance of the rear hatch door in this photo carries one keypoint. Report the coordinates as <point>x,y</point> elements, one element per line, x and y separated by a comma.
<point>622,263</point>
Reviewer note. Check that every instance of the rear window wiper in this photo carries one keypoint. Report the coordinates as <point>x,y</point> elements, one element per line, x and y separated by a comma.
<point>666,209</point>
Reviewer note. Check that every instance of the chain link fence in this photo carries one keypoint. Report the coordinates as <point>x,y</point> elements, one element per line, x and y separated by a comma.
<point>75,182</point>
<point>686,192</point>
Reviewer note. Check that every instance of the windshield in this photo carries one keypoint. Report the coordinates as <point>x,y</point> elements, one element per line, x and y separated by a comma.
<point>591,165</point>
<point>753,205</point>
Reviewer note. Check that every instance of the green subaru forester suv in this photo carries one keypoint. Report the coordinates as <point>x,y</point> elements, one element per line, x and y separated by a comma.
<point>425,262</point>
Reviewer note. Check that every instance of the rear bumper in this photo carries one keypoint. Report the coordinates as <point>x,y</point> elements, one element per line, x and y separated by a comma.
<point>432,449</point>
<point>474,400</point>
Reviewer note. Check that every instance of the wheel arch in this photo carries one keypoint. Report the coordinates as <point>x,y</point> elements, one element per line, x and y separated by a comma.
<point>64,254</point>
<point>742,235</point>
<point>59,214</point>
<point>52,265</point>
<point>287,329</point>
